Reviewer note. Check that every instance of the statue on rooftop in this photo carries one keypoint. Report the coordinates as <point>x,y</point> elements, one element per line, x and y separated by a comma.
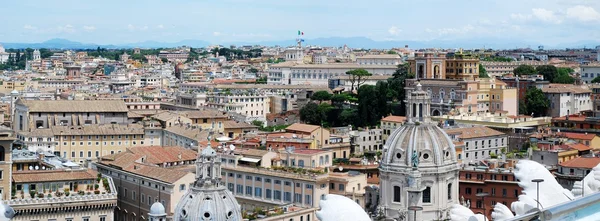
<point>415,159</point>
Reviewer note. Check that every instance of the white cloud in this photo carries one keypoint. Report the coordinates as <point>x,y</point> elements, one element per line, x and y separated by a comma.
<point>144,28</point>
<point>29,27</point>
<point>89,28</point>
<point>66,29</point>
<point>160,26</point>
<point>520,16</point>
<point>546,15</point>
<point>216,33</point>
<point>452,31</point>
<point>131,27</point>
<point>583,13</point>
<point>395,31</point>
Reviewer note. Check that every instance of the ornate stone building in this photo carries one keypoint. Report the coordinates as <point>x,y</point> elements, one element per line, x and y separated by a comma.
<point>419,167</point>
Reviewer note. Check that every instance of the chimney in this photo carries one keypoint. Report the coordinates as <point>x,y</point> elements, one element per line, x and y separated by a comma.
<point>179,156</point>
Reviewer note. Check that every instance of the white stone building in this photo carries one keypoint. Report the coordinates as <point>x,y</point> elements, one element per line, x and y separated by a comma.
<point>297,73</point>
<point>480,142</point>
<point>369,140</point>
<point>419,167</point>
<point>567,100</point>
<point>589,72</point>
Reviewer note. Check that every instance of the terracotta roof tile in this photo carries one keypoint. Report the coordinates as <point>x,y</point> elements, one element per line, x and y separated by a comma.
<point>75,106</point>
<point>397,119</point>
<point>582,162</point>
<point>474,132</point>
<point>53,175</point>
<point>302,127</point>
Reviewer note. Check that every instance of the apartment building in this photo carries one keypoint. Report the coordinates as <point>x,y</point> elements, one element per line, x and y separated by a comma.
<point>496,68</point>
<point>480,142</point>
<point>208,118</point>
<point>254,106</point>
<point>320,135</point>
<point>184,136</point>
<point>369,140</point>
<point>390,124</point>
<point>567,100</point>
<point>589,72</point>
<point>574,170</point>
<point>144,175</point>
<point>82,143</point>
<point>31,114</point>
<point>306,158</point>
<point>500,183</point>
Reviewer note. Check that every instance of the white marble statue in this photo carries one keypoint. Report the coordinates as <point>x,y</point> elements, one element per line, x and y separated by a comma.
<point>591,182</point>
<point>6,212</point>
<point>551,193</point>
<point>336,207</point>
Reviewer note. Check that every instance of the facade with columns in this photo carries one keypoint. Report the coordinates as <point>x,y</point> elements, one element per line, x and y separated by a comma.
<point>419,167</point>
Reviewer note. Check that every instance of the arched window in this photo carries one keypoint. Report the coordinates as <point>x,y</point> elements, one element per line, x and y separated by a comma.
<point>449,191</point>
<point>420,110</point>
<point>2,153</point>
<point>300,163</point>
<point>427,195</point>
<point>414,110</point>
<point>397,194</point>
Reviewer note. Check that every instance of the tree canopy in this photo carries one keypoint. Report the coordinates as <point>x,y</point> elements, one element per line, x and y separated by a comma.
<point>321,96</point>
<point>548,71</point>
<point>358,77</point>
<point>524,70</point>
<point>596,80</point>
<point>483,72</point>
<point>537,103</point>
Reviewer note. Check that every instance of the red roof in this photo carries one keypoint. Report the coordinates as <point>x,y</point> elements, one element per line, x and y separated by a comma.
<point>577,136</point>
<point>582,162</point>
<point>308,151</point>
<point>579,146</point>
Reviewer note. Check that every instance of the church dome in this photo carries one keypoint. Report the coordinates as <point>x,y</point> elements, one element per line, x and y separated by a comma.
<point>207,198</point>
<point>427,140</point>
<point>420,137</point>
<point>157,209</point>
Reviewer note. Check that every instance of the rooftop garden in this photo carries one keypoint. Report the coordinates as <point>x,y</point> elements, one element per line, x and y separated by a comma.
<point>57,189</point>
<point>259,213</point>
<point>298,170</point>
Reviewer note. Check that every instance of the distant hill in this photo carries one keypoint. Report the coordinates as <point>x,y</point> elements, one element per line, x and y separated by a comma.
<point>353,42</point>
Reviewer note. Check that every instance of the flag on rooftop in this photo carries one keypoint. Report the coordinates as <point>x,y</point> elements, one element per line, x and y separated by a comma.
<point>300,32</point>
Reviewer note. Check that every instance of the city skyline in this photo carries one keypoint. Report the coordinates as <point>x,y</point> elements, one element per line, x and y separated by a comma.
<point>553,23</point>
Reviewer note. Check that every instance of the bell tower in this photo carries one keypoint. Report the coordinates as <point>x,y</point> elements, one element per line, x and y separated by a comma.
<point>208,167</point>
<point>418,105</point>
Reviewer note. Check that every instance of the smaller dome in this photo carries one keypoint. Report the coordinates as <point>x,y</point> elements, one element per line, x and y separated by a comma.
<point>157,209</point>
<point>15,92</point>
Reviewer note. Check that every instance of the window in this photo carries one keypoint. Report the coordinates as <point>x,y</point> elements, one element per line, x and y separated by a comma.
<point>288,183</point>
<point>287,196</point>
<point>427,195</point>
<point>504,192</point>
<point>149,200</point>
<point>397,194</point>
<point>182,187</point>
<point>341,187</point>
<point>133,195</point>
<point>449,191</point>
<point>86,218</point>
<point>249,190</point>
<point>103,218</point>
<point>257,192</point>
<point>239,189</point>
<point>277,195</point>
<point>268,193</point>
<point>332,186</point>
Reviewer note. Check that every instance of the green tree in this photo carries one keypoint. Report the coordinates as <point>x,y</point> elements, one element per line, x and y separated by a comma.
<point>311,114</point>
<point>537,103</point>
<point>253,70</point>
<point>164,60</point>
<point>564,76</point>
<point>368,109</point>
<point>321,96</point>
<point>596,80</point>
<point>548,71</point>
<point>396,85</point>
<point>524,70</point>
<point>348,117</point>
<point>483,72</point>
<point>391,52</point>
<point>358,77</point>
<point>382,98</point>
<point>339,99</point>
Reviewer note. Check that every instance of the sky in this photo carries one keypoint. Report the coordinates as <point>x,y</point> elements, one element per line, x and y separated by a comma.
<point>547,22</point>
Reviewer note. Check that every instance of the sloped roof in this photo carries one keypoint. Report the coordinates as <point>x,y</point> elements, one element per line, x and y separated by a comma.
<point>53,175</point>
<point>236,125</point>
<point>75,106</point>
<point>582,162</point>
<point>577,136</point>
<point>397,119</point>
<point>474,132</point>
<point>302,127</point>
